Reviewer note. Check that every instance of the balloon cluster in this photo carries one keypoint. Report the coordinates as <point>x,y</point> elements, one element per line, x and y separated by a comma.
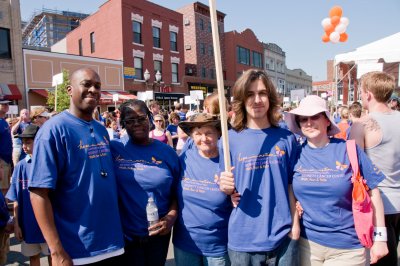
<point>335,26</point>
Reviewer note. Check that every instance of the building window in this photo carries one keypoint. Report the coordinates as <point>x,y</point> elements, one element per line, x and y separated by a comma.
<point>5,44</point>
<point>92,42</point>
<point>138,65</point>
<point>270,65</point>
<point>281,86</point>
<point>80,47</point>
<point>137,32</point>
<point>201,24</point>
<point>209,27</point>
<point>173,41</point>
<point>174,70</point>
<point>156,37</point>
<point>257,61</point>
<point>210,50</point>
<point>212,73</point>
<point>243,55</point>
<point>157,67</point>
<point>202,48</point>
<point>203,72</point>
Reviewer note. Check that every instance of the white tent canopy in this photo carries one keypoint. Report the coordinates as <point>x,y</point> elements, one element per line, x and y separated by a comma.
<point>387,48</point>
<point>367,56</point>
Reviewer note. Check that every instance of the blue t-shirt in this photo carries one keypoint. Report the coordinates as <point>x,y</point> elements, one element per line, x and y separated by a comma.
<point>5,141</point>
<point>141,169</point>
<point>322,185</point>
<point>19,192</point>
<point>20,130</point>
<point>202,224</point>
<point>69,156</point>
<point>263,161</point>
<point>173,129</point>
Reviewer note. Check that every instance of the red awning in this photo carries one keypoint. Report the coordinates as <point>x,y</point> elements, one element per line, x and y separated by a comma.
<point>107,97</point>
<point>9,92</point>
<point>42,92</point>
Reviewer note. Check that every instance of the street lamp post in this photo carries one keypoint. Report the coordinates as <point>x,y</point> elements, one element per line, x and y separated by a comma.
<point>146,76</point>
<point>158,79</point>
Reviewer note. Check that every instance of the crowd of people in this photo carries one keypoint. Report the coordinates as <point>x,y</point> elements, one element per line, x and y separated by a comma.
<point>82,180</point>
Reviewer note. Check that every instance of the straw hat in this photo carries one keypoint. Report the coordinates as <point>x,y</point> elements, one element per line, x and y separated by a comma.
<point>199,120</point>
<point>309,106</point>
<point>40,111</point>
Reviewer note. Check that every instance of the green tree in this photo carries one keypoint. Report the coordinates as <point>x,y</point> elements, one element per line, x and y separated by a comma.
<point>62,95</point>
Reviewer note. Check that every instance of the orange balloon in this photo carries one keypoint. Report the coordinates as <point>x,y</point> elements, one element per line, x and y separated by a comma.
<point>336,11</point>
<point>329,28</point>
<point>335,20</point>
<point>325,37</point>
<point>343,37</point>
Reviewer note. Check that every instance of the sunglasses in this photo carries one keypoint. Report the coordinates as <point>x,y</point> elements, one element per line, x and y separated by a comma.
<point>304,119</point>
<point>157,121</point>
<point>139,120</point>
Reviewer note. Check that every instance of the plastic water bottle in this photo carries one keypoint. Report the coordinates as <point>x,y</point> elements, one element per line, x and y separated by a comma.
<point>151,211</point>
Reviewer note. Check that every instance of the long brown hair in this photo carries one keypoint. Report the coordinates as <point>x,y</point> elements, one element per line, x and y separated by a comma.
<point>240,90</point>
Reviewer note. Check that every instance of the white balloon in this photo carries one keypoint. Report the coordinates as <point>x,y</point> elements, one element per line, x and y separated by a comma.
<point>345,21</point>
<point>326,22</point>
<point>340,28</point>
<point>334,37</point>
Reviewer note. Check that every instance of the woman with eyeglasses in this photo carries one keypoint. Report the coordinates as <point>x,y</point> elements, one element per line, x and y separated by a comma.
<point>143,167</point>
<point>159,132</point>
<point>322,185</point>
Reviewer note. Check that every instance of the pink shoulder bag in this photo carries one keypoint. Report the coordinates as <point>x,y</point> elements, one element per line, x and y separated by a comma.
<point>361,203</point>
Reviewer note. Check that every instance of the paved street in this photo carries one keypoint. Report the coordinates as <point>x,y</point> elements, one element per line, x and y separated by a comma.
<point>15,257</point>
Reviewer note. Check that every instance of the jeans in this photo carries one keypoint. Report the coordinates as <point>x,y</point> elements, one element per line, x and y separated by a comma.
<point>184,258</point>
<point>287,254</point>
<point>146,251</point>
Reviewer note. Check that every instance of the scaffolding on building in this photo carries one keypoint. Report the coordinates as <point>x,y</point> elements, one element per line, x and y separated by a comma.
<point>48,26</point>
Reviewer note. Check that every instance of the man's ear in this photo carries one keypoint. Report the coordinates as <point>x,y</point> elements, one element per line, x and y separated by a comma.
<point>69,90</point>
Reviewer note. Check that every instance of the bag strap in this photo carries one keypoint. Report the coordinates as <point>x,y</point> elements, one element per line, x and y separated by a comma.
<point>352,152</point>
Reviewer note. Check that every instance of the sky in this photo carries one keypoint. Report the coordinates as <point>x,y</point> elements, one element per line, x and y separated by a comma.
<point>293,25</point>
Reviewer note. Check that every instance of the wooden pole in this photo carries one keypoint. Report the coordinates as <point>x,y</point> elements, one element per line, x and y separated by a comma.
<point>220,85</point>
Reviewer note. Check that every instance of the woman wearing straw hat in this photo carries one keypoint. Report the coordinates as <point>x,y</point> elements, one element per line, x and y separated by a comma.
<point>201,230</point>
<point>322,184</point>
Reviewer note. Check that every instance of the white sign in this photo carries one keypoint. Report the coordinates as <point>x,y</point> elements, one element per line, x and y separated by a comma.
<point>297,95</point>
<point>189,100</point>
<point>363,68</point>
<point>115,97</point>
<point>12,110</point>
<point>286,99</point>
<point>57,79</point>
<point>197,95</point>
<point>141,95</point>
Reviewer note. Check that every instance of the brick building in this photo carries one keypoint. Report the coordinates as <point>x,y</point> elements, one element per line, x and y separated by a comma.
<point>198,44</point>
<point>11,68</point>
<point>144,35</point>
<point>243,51</point>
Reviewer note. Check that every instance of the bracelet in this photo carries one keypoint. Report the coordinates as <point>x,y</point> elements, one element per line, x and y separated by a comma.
<point>380,234</point>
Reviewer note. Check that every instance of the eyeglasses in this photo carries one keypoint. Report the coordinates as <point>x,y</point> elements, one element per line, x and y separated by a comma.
<point>304,119</point>
<point>139,120</point>
<point>157,121</point>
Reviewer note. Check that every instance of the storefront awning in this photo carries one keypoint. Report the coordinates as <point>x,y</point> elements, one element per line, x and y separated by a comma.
<point>107,97</point>
<point>9,92</point>
<point>42,92</point>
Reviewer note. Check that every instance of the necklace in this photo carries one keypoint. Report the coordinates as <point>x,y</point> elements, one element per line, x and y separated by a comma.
<point>103,173</point>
